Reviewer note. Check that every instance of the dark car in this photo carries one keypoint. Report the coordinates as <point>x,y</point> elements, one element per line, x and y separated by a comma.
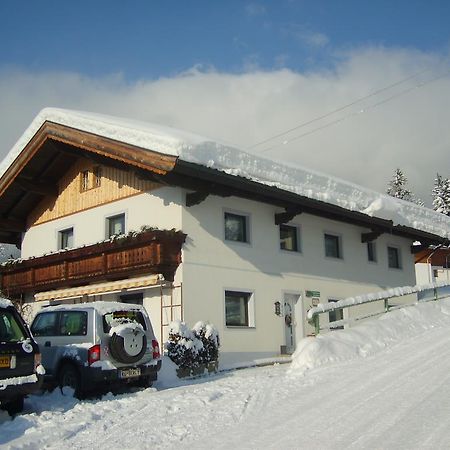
<point>21,372</point>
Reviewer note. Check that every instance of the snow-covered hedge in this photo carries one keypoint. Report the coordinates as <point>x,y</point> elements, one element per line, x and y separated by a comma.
<point>193,350</point>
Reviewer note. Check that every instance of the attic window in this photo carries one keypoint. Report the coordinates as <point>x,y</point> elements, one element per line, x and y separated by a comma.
<point>90,179</point>
<point>97,176</point>
<point>84,185</point>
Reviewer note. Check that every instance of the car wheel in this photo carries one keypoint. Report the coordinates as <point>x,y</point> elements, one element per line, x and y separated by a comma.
<point>129,348</point>
<point>15,406</point>
<point>69,377</point>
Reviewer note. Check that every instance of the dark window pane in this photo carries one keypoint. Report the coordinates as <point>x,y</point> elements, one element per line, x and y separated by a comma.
<point>44,324</point>
<point>334,316</point>
<point>332,246</point>
<point>236,308</point>
<point>66,238</point>
<point>73,323</point>
<point>236,227</point>
<point>393,258</point>
<point>11,330</point>
<point>288,238</point>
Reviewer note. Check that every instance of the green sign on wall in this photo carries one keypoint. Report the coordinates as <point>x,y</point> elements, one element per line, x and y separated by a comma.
<point>313,293</point>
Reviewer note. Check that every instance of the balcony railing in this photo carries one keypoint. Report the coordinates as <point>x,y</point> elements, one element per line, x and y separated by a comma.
<point>148,252</point>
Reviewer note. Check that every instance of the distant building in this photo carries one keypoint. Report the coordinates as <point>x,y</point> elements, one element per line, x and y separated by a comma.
<point>104,208</point>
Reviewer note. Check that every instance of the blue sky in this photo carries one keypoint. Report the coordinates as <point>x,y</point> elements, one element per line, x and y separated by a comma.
<point>151,39</point>
<point>243,72</point>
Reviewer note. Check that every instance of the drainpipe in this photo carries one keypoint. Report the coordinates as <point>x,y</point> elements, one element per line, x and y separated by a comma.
<point>446,264</point>
<point>430,271</point>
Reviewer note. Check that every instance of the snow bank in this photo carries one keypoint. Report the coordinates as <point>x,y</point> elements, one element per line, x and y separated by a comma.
<point>369,337</point>
<point>196,149</point>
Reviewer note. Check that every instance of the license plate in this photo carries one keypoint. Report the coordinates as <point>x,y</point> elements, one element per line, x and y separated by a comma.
<point>129,373</point>
<point>4,361</point>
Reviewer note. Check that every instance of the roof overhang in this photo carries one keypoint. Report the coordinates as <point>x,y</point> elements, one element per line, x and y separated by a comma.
<point>55,147</point>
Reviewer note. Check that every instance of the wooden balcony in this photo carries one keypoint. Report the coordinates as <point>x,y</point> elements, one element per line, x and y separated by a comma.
<point>149,252</point>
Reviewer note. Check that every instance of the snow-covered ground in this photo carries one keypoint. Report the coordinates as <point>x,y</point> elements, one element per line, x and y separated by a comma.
<point>383,384</point>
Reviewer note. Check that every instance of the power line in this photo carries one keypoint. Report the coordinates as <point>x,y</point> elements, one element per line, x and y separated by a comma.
<point>304,124</point>
<point>386,100</point>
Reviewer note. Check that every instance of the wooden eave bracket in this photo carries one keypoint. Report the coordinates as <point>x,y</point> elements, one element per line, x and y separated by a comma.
<point>287,216</point>
<point>194,198</point>
<point>37,187</point>
<point>371,236</point>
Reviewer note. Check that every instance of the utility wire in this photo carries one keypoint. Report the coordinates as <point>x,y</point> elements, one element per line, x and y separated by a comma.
<point>304,124</point>
<point>386,100</point>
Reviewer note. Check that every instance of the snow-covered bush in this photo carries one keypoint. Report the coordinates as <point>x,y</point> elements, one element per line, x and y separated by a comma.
<point>183,347</point>
<point>209,336</point>
<point>193,351</point>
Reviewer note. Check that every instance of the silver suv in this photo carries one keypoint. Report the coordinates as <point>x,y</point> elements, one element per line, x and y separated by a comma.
<point>92,346</point>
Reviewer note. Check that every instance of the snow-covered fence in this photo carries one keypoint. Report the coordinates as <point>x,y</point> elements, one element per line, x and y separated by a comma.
<point>432,291</point>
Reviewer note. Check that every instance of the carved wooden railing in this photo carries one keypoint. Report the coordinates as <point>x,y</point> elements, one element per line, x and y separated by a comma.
<point>148,252</point>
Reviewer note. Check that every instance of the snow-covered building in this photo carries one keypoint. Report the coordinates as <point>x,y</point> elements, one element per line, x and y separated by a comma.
<point>211,233</point>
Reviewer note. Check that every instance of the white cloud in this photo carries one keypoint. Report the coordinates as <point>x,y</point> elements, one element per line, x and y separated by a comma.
<point>306,36</point>
<point>409,132</point>
<point>255,9</point>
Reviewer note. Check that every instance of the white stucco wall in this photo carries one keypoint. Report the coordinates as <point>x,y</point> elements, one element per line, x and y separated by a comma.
<point>212,265</point>
<point>159,208</point>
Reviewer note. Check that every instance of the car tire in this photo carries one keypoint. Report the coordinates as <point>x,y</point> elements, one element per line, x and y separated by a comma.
<point>119,352</point>
<point>70,377</point>
<point>14,406</point>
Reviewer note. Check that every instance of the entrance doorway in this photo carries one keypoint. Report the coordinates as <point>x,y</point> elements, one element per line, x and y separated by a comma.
<point>291,312</point>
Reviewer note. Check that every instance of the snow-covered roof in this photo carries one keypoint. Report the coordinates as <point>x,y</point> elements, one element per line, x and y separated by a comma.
<point>206,152</point>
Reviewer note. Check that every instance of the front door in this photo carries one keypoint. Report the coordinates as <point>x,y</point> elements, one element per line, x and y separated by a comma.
<point>290,323</point>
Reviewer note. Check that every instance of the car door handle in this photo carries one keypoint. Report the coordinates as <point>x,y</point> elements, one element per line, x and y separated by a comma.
<point>48,344</point>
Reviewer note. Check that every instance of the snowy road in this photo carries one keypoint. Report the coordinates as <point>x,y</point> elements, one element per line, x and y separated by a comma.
<point>397,398</point>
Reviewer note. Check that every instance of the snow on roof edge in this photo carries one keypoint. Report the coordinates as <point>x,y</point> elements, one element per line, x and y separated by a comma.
<point>198,150</point>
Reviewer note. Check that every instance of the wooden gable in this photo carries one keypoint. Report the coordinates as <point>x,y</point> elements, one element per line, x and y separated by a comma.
<point>87,185</point>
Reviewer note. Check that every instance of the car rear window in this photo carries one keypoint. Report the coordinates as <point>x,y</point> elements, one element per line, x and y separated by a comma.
<point>11,330</point>
<point>115,318</point>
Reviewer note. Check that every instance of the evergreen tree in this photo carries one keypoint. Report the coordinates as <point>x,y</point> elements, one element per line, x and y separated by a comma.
<point>441,195</point>
<point>397,186</point>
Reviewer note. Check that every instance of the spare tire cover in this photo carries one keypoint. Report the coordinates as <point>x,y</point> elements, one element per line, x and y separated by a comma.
<point>128,345</point>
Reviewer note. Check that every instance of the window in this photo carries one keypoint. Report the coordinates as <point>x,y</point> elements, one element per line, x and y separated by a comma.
<point>84,181</point>
<point>115,225</point>
<point>332,246</point>
<point>371,252</point>
<point>289,238</point>
<point>97,176</point>
<point>236,227</point>
<point>394,258</point>
<point>44,324</point>
<point>237,306</point>
<point>11,330</point>
<point>73,323</point>
<point>65,238</point>
<point>135,299</point>
<point>334,316</point>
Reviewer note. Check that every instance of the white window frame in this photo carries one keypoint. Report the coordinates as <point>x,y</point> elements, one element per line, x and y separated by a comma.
<point>248,233</point>
<point>112,216</point>
<point>340,246</point>
<point>298,233</point>
<point>399,256</point>
<point>59,233</point>
<point>250,309</point>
